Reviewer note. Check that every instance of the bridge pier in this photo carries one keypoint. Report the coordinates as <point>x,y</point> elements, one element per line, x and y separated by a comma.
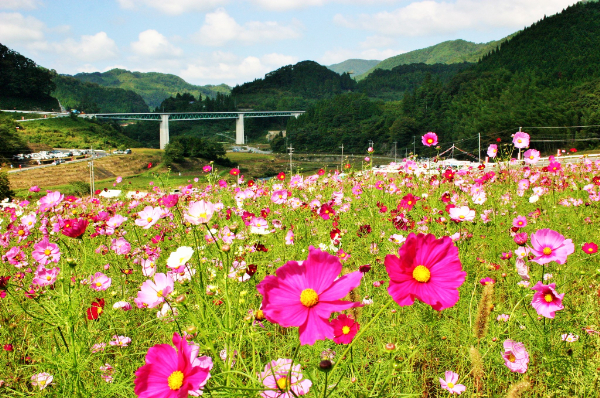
<point>164,131</point>
<point>239,129</point>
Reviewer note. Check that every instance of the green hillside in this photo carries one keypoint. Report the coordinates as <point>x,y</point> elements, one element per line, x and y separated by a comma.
<point>448,52</point>
<point>546,75</point>
<point>23,84</point>
<point>153,87</point>
<point>292,87</point>
<point>93,98</point>
<point>355,67</point>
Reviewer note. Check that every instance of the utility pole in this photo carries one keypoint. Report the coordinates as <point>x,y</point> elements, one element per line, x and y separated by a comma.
<point>414,147</point>
<point>479,153</point>
<point>371,143</point>
<point>291,149</point>
<point>395,151</point>
<point>91,165</point>
<point>342,159</point>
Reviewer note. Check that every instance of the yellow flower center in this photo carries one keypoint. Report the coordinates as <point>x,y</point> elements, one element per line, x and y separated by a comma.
<point>181,260</point>
<point>98,284</point>
<point>202,215</point>
<point>309,298</point>
<point>21,232</point>
<point>259,315</point>
<point>99,310</point>
<point>47,252</point>
<point>429,140</point>
<point>511,357</point>
<point>282,383</point>
<point>450,385</point>
<point>149,219</point>
<point>175,381</point>
<point>346,329</point>
<point>30,223</point>
<point>547,251</point>
<point>48,278</point>
<point>421,273</point>
<point>461,217</point>
<point>519,141</point>
<point>590,249</point>
<point>410,202</point>
<point>531,157</point>
<point>548,297</point>
<point>159,293</point>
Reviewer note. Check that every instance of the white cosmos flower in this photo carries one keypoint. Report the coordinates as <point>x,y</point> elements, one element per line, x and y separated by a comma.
<point>180,257</point>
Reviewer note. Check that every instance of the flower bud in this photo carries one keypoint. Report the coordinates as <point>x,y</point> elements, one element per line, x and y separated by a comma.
<point>225,248</point>
<point>325,365</point>
<point>180,299</point>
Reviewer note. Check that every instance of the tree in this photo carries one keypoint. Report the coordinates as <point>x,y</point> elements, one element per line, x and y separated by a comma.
<point>5,191</point>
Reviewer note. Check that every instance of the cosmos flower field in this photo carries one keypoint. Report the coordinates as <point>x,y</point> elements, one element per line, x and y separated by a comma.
<point>481,281</point>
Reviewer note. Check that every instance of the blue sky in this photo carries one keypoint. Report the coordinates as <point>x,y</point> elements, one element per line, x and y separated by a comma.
<point>234,41</point>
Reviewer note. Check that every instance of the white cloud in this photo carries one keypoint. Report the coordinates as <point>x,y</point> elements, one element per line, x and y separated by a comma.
<point>220,28</point>
<point>429,17</point>
<point>19,4</point>
<point>17,29</point>
<point>174,7</point>
<point>152,44</point>
<point>286,5</point>
<point>221,67</point>
<point>98,47</point>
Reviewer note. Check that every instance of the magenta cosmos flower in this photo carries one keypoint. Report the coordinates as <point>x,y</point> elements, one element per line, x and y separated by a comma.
<point>449,383</point>
<point>306,295</point>
<point>519,222</point>
<point>515,356</point>
<point>546,301</point>
<point>170,372</point>
<point>590,248</point>
<point>283,380</point>
<point>427,269</point>
<point>344,329</point>
<point>429,139</point>
<point>548,245</point>
<point>521,140</point>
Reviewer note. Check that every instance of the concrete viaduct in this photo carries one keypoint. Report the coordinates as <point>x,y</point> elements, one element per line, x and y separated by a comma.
<point>164,119</point>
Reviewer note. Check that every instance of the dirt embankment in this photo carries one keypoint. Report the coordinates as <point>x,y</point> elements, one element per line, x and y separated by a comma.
<point>107,167</point>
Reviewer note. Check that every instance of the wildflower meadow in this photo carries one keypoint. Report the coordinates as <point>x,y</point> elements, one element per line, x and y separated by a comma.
<point>421,281</point>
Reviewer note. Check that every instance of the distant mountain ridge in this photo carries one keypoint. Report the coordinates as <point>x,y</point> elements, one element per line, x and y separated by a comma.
<point>153,87</point>
<point>354,66</point>
<point>447,52</point>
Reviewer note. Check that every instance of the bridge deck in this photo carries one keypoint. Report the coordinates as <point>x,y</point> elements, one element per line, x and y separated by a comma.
<point>193,115</point>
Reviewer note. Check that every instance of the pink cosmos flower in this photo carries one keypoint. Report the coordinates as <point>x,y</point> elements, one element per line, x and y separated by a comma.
<point>116,221</point>
<point>29,221</point>
<point>429,139</point>
<point>519,222</point>
<point>279,197</point>
<point>45,277</point>
<point>120,246</point>
<point>344,329</point>
<point>171,372</point>
<point>546,301</point>
<point>34,188</point>
<point>521,140</point>
<point>207,168</point>
<point>120,341</point>
<point>152,294</point>
<point>427,269</point>
<point>148,217</point>
<point>531,156</point>
<point>119,179</point>
<point>450,385</point>
<point>199,212</point>
<point>306,295</point>
<point>548,245</point>
<point>50,200</point>
<point>45,252</point>
<point>283,380</point>
<point>41,380</point>
<point>100,282</point>
<point>289,237</point>
<point>462,214</point>
<point>487,281</point>
<point>492,151</point>
<point>169,200</point>
<point>515,356</point>
<point>122,305</point>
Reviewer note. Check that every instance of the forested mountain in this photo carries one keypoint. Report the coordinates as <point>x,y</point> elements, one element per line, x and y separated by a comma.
<point>391,85</point>
<point>92,98</point>
<point>545,75</point>
<point>292,87</point>
<point>153,87</point>
<point>354,67</point>
<point>24,84</point>
<point>448,52</point>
